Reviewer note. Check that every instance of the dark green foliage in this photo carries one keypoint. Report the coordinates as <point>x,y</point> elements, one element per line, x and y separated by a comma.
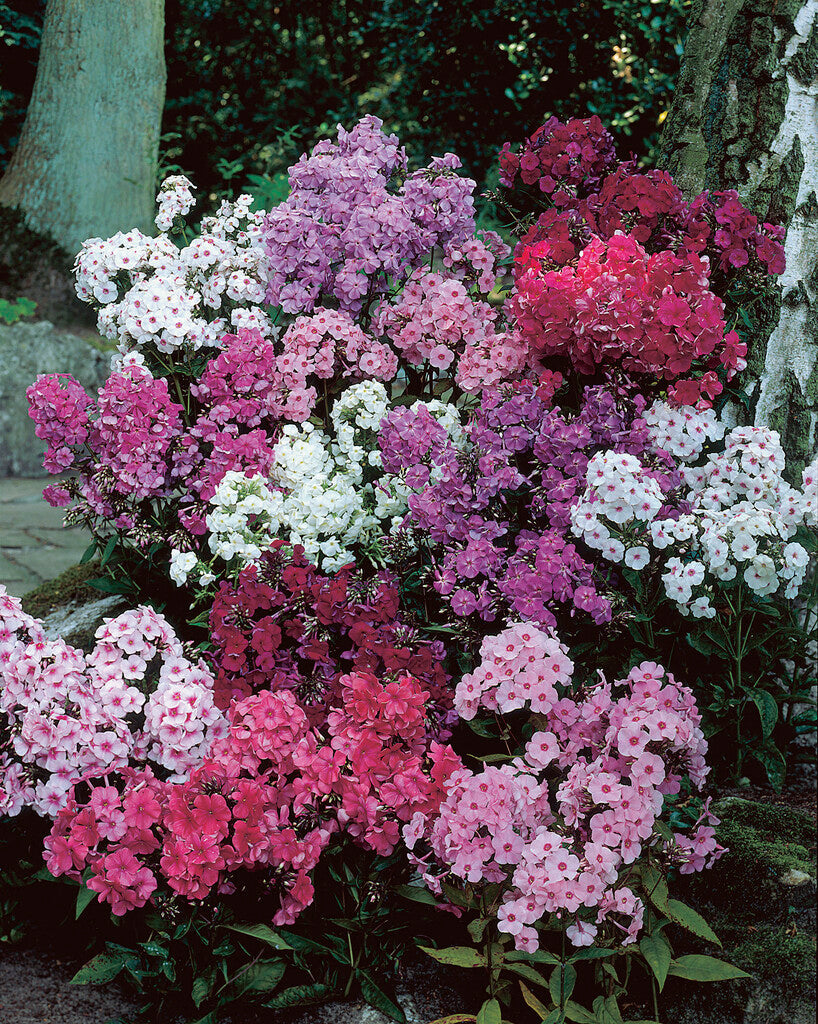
<point>19,42</point>
<point>252,85</point>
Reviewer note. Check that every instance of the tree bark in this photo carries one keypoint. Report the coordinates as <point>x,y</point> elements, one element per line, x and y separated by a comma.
<point>745,116</point>
<point>86,161</point>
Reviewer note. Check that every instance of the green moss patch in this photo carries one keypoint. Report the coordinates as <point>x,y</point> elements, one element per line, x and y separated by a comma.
<point>70,587</point>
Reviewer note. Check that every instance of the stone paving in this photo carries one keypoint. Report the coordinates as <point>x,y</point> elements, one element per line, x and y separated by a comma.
<point>34,545</point>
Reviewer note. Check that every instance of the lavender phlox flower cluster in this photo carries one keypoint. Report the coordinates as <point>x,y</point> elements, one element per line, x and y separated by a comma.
<point>346,227</point>
<point>67,715</point>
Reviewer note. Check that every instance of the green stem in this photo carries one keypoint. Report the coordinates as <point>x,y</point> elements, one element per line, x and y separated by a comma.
<point>655,999</point>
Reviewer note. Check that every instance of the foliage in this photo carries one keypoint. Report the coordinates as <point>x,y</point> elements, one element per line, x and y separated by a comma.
<point>11,312</point>
<point>447,78</point>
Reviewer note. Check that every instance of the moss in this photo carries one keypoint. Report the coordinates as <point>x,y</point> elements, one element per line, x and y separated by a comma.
<point>69,587</point>
<point>774,954</point>
<point>805,60</point>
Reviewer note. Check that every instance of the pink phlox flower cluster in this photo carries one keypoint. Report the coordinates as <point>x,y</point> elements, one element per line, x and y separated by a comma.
<point>475,260</point>
<point>268,798</point>
<point>700,848</point>
<point>135,696</point>
<point>328,344</point>
<point>520,667</point>
<point>434,320</point>
<point>616,758</point>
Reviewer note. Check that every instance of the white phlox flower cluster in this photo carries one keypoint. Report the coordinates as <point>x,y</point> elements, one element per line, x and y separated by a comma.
<point>175,199</point>
<point>619,499</point>
<point>682,431</point>
<point>742,524</point>
<point>148,292</point>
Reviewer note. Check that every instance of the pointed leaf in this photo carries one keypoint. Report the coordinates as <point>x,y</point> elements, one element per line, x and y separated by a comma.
<point>536,1005</point>
<point>656,950</point>
<point>490,1013</point>
<point>262,932</point>
<point>456,956</point>
<point>416,893</point>
<point>578,1014</point>
<point>378,998</point>
<point>84,897</point>
<point>691,920</point>
<point>263,977</point>
<point>774,764</point>
<point>101,968</point>
<point>299,995</point>
<point>561,983</point>
<point>456,1018</point>
<point>696,967</point>
<point>525,971</point>
<point>767,710</point>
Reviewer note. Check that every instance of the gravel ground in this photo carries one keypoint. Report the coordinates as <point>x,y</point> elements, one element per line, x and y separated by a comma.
<point>35,989</point>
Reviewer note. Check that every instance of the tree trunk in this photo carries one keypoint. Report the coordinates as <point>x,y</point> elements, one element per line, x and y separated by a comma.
<point>745,116</point>
<point>86,161</point>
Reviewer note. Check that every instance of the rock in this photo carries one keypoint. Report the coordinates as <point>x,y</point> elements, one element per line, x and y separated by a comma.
<point>795,878</point>
<point>77,623</point>
<point>27,350</point>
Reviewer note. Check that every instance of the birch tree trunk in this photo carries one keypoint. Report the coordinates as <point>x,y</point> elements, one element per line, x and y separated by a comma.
<point>86,161</point>
<point>745,116</point>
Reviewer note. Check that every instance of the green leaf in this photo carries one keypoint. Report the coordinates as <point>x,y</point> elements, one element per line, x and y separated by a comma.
<point>540,957</point>
<point>774,764</point>
<point>691,920</point>
<point>477,927</point>
<point>664,830</point>
<point>299,995</point>
<point>655,887</point>
<point>416,893</point>
<point>261,932</point>
<point>696,967</point>
<point>527,972</point>
<point>577,1013</point>
<point>456,1018</point>
<point>561,983</point>
<point>490,1013</point>
<point>593,953</point>
<point>656,950</point>
<point>84,897</point>
<point>101,968</point>
<point>109,550</point>
<point>456,956</point>
<point>767,710</point>
<point>263,977</point>
<point>201,988</point>
<point>378,998</point>
<point>536,1005</point>
<point>89,553</point>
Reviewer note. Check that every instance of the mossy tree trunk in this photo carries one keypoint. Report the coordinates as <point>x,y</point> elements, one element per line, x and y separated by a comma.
<point>86,161</point>
<point>745,116</point>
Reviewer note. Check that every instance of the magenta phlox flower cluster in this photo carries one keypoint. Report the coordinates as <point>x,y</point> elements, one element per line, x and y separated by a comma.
<point>653,314</point>
<point>66,715</point>
<point>268,799</point>
<point>345,228</point>
<point>60,411</point>
<point>560,825</point>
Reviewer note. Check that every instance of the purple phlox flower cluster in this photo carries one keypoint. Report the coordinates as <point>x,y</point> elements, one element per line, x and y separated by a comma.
<point>67,715</point>
<point>560,825</point>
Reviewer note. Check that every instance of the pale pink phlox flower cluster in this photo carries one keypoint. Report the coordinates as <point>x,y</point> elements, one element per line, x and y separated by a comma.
<point>520,667</point>
<point>328,343</point>
<point>175,199</point>
<point>69,715</point>
<point>434,320</point>
<point>615,758</point>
